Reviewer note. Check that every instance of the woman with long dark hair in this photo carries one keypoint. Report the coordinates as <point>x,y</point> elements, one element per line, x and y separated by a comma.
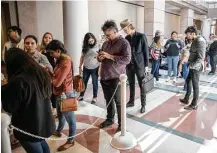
<point>27,97</point>
<point>90,64</point>
<point>62,81</point>
<point>155,54</point>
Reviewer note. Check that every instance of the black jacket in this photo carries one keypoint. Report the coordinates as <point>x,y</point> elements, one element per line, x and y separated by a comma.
<point>139,49</point>
<point>213,49</point>
<point>20,97</point>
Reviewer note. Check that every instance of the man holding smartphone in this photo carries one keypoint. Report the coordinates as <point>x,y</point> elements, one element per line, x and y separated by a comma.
<point>114,56</point>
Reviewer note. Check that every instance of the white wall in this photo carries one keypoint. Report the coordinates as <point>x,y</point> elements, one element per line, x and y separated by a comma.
<point>27,17</point>
<point>100,11</point>
<point>50,18</point>
<point>13,16</point>
<point>171,23</point>
<point>140,19</point>
<point>38,17</point>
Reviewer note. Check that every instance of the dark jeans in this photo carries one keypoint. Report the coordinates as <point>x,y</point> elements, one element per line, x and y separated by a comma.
<point>133,70</point>
<point>53,100</point>
<point>193,79</point>
<point>86,75</point>
<point>213,62</point>
<point>108,87</point>
<point>66,116</point>
<point>155,68</point>
<point>185,71</point>
<point>35,147</point>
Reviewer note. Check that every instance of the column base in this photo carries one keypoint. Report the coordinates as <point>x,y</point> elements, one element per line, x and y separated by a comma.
<point>123,142</point>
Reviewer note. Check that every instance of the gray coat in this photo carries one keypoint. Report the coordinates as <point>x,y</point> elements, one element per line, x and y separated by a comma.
<point>197,53</point>
<point>42,60</point>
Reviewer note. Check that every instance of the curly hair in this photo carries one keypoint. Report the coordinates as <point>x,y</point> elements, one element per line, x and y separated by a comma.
<point>109,24</point>
<point>191,29</point>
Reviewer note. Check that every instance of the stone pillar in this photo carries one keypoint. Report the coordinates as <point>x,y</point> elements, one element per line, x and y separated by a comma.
<point>75,26</point>
<point>206,28</point>
<point>5,137</point>
<point>216,27</point>
<point>154,18</point>
<point>187,19</point>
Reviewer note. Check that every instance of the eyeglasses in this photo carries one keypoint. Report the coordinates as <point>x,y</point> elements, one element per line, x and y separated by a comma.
<point>109,35</point>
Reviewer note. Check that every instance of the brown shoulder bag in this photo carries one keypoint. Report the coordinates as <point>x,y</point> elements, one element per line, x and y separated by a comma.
<point>69,104</point>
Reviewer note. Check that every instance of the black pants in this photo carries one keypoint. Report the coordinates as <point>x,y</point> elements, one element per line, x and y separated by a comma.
<point>213,62</point>
<point>108,87</point>
<point>193,79</point>
<point>133,70</point>
<point>53,100</point>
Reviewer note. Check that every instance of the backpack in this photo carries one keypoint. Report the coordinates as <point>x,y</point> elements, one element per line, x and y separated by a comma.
<point>78,82</point>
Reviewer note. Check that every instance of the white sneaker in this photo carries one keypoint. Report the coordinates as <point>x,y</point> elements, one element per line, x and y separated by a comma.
<point>174,80</point>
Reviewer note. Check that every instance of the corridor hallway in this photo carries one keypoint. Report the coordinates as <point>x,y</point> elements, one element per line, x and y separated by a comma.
<point>165,127</point>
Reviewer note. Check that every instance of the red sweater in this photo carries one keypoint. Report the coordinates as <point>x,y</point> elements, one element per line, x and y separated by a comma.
<point>62,78</point>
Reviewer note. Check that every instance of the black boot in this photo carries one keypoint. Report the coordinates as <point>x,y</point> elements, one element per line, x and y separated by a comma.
<point>184,101</point>
<point>130,104</point>
<point>119,128</point>
<point>190,107</point>
<point>142,109</point>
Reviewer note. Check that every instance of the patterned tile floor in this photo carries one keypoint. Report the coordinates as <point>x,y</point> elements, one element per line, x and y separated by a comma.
<point>165,127</point>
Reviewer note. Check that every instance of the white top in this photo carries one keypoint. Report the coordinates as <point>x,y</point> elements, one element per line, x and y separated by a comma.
<point>90,58</point>
<point>8,45</point>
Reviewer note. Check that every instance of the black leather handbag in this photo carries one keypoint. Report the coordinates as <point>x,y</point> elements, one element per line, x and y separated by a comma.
<point>148,82</point>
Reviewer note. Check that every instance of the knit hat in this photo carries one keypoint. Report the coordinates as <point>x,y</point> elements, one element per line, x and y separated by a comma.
<point>125,23</point>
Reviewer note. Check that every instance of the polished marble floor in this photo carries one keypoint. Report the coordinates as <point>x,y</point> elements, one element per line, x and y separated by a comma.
<point>165,127</point>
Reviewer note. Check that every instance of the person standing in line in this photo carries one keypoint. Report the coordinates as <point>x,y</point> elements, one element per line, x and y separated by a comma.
<point>90,64</point>
<point>62,80</point>
<point>46,39</point>
<point>139,62</point>
<point>14,34</point>
<point>213,55</point>
<point>27,97</point>
<point>30,44</point>
<point>155,54</point>
<point>114,56</point>
<point>173,47</point>
<point>209,42</point>
<point>195,64</point>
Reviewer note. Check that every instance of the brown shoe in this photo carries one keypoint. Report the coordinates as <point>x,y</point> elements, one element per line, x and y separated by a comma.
<point>65,146</point>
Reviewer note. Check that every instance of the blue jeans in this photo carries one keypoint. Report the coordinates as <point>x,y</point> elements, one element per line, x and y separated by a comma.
<point>172,65</point>
<point>66,116</point>
<point>155,68</point>
<point>185,71</point>
<point>86,75</point>
<point>35,147</point>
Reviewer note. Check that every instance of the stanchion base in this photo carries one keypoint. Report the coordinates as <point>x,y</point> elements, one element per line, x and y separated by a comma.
<point>123,142</point>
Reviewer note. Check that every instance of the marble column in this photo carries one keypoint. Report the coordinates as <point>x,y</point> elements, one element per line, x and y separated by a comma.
<point>187,19</point>
<point>206,27</point>
<point>154,18</point>
<point>75,26</point>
